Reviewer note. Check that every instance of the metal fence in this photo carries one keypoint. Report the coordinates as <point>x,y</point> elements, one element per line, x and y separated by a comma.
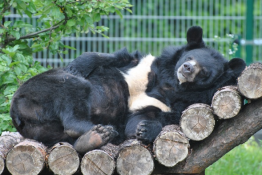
<point>155,24</point>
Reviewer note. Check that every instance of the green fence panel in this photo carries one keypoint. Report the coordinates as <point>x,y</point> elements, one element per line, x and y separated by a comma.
<point>155,24</point>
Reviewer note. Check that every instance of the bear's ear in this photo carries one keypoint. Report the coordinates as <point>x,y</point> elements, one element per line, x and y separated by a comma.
<point>194,36</point>
<point>237,65</point>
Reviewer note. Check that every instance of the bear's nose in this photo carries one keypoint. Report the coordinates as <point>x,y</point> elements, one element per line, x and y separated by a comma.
<point>188,68</point>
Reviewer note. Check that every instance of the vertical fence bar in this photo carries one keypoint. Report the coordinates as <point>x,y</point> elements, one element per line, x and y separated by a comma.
<point>249,30</point>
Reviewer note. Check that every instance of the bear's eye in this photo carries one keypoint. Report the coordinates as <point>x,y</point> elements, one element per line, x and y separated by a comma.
<point>204,72</point>
<point>189,58</point>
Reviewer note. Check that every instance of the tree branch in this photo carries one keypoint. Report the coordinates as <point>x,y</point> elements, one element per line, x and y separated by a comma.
<point>229,134</point>
<point>32,35</point>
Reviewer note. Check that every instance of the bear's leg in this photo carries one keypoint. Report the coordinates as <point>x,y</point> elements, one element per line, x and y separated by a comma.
<point>144,124</point>
<point>98,136</point>
<point>147,130</point>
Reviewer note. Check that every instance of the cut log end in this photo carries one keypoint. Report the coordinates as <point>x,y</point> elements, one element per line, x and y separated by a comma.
<point>27,157</point>
<point>197,121</point>
<point>171,146</point>
<point>63,159</point>
<point>250,81</point>
<point>226,103</point>
<point>2,164</point>
<point>97,162</point>
<point>135,159</point>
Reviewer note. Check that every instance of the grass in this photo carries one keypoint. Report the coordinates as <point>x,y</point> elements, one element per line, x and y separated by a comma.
<point>245,159</point>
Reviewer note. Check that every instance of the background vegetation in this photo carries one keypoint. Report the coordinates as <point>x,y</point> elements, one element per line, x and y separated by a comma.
<point>246,159</point>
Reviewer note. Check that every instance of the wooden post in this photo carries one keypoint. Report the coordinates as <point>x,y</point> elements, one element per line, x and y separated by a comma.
<point>226,102</point>
<point>99,162</point>
<point>63,159</point>
<point>197,121</point>
<point>27,157</point>
<point>7,141</point>
<point>134,158</point>
<point>250,81</point>
<point>171,146</point>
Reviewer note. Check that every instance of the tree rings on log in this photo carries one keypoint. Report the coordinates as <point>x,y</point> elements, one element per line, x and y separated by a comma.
<point>7,141</point>
<point>133,158</point>
<point>171,146</point>
<point>63,159</point>
<point>197,121</point>
<point>27,157</point>
<point>2,163</point>
<point>226,102</point>
<point>97,162</point>
<point>250,81</point>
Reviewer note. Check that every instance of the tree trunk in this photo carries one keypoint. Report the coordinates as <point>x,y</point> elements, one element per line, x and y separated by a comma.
<point>7,141</point>
<point>250,81</point>
<point>27,157</point>
<point>134,158</point>
<point>226,102</point>
<point>99,162</point>
<point>63,159</point>
<point>229,134</point>
<point>197,121</point>
<point>171,146</point>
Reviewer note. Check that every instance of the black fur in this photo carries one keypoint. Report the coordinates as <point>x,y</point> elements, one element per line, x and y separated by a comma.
<point>215,72</point>
<point>63,104</point>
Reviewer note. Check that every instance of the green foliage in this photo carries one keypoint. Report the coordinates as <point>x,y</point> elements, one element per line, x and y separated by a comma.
<point>19,39</point>
<point>246,159</point>
<point>15,67</point>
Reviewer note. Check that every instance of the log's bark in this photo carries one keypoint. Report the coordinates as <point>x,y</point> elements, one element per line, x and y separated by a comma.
<point>134,158</point>
<point>229,134</point>
<point>226,102</point>
<point>250,81</point>
<point>27,157</point>
<point>7,141</point>
<point>99,162</point>
<point>171,146</point>
<point>197,121</point>
<point>63,159</point>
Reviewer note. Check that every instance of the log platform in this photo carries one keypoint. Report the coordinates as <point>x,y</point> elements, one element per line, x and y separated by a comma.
<point>172,151</point>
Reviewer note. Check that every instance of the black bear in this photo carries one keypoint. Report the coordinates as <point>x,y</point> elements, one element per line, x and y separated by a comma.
<point>181,76</point>
<point>98,94</point>
<point>85,104</point>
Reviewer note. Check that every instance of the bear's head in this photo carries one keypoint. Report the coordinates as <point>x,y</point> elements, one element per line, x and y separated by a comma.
<point>200,67</point>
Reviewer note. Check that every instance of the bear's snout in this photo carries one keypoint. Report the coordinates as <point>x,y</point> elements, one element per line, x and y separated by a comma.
<point>187,68</point>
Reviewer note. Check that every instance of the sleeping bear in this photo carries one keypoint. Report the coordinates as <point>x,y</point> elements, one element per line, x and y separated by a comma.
<point>100,98</point>
<point>180,77</point>
<point>85,103</point>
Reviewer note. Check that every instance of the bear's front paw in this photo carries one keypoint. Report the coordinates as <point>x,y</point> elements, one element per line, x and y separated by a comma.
<point>98,136</point>
<point>148,130</point>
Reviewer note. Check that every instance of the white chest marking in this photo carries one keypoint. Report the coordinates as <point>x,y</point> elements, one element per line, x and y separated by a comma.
<point>137,80</point>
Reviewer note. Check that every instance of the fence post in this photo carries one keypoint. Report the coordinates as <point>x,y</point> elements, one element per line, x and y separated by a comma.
<point>249,30</point>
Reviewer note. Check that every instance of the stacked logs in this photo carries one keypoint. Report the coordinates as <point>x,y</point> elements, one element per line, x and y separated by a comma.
<point>132,157</point>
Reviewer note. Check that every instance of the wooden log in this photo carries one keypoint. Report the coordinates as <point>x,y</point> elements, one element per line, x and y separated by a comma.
<point>99,162</point>
<point>7,141</point>
<point>134,158</point>
<point>226,102</point>
<point>197,121</point>
<point>63,159</point>
<point>171,146</point>
<point>27,157</point>
<point>250,81</point>
<point>229,134</point>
